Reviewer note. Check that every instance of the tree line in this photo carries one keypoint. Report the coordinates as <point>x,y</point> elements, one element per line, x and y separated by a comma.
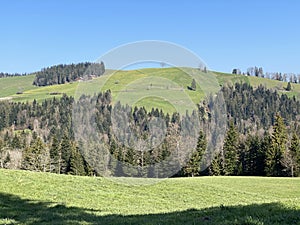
<point>61,74</point>
<point>262,137</point>
<point>268,154</point>
<point>259,72</point>
<point>4,75</point>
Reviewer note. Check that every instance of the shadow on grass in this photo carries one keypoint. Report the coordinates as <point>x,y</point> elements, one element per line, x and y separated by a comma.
<point>14,210</point>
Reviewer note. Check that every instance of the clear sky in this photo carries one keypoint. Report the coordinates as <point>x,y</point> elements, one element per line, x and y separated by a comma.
<point>224,33</point>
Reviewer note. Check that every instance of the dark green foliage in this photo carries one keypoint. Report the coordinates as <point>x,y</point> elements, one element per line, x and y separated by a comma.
<point>251,156</point>
<point>277,149</point>
<point>230,151</point>
<point>61,74</point>
<point>65,150</point>
<point>76,162</point>
<point>215,169</point>
<point>193,85</point>
<point>7,160</point>
<point>193,167</point>
<point>55,156</point>
<point>256,108</point>
<point>295,155</point>
<point>289,86</point>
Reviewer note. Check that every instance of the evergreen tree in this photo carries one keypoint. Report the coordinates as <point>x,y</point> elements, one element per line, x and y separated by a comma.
<point>55,156</point>
<point>116,158</point>
<point>289,86</point>
<point>16,143</point>
<point>277,149</point>
<point>193,167</point>
<point>65,149</point>
<point>251,156</point>
<point>193,85</point>
<point>36,157</point>
<point>76,162</point>
<point>215,168</point>
<point>295,154</point>
<point>7,161</point>
<point>230,149</point>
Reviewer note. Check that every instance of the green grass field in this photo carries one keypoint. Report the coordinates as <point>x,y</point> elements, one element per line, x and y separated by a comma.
<point>42,198</point>
<point>11,85</point>
<point>165,88</point>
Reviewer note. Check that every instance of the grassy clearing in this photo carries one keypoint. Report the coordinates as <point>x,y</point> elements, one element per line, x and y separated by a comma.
<point>276,85</point>
<point>39,198</point>
<point>225,78</point>
<point>11,85</point>
<point>164,88</point>
<point>155,102</point>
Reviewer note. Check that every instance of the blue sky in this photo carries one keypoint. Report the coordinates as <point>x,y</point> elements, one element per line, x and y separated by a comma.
<point>225,34</point>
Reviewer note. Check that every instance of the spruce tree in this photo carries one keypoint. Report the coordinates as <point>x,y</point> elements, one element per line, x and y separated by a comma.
<point>36,156</point>
<point>230,150</point>
<point>193,85</point>
<point>277,149</point>
<point>55,156</point>
<point>65,149</point>
<point>215,168</point>
<point>193,167</point>
<point>295,154</point>
<point>289,86</point>
<point>76,162</point>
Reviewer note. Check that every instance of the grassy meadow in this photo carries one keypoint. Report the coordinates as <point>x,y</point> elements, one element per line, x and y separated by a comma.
<point>164,88</point>
<point>11,85</point>
<point>43,198</point>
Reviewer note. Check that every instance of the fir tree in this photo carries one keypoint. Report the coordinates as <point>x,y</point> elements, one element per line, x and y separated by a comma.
<point>193,85</point>
<point>295,154</point>
<point>289,86</point>
<point>55,156</point>
<point>193,167</point>
<point>65,150</point>
<point>277,149</point>
<point>230,149</point>
<point>215,168</point>
<point>36,157</point>
<point>76,162</point>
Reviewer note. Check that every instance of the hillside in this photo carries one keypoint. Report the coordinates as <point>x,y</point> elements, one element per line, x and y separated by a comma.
<point>43,198</point>
<point>162,85</point>
<point>9,86</point>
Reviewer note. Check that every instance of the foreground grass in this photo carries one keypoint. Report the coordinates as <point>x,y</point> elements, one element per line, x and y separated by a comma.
<point>39,198</point>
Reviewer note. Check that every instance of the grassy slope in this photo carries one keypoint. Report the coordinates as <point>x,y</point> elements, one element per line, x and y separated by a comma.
<point>277,85</point>
<point>40,198</point>
<point>164,88</point>
<point>10,86</point>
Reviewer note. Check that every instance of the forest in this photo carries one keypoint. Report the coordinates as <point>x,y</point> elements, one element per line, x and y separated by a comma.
<point>261,138</point>
<point>61,74</point>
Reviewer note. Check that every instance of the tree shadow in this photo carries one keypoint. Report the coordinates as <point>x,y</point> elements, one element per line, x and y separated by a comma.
<point>14,210</point>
